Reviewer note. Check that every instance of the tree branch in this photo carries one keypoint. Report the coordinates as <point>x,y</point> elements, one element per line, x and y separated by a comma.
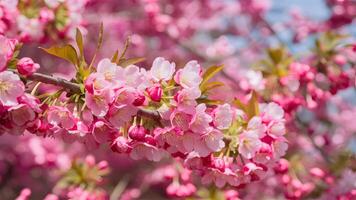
<point>75,88</point>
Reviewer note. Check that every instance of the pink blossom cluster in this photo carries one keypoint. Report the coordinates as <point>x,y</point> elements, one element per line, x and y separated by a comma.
<point>208,140</point>
<point>114,98</point>
<point>41,21</point>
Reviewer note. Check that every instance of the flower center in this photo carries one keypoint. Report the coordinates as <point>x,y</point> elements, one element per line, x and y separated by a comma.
<point>4,86</point>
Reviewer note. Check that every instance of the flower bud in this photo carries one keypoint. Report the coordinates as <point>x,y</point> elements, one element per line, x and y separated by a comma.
<point>317,172</point>
<point>282,166</point>
<point>120,145</point>
<point>103,165</point>
<point>138,132</point>
<point>155,93</point>
<point>88,84</point>
<point>27,67</point>
<point>139,100</point>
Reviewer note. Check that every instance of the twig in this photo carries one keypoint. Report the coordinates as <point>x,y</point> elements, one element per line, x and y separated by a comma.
<point>75,88</point>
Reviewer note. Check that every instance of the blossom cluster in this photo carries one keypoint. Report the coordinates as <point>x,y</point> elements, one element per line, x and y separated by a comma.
<point>41,21</point>
<point>209,140</point>
<point>113,108</point>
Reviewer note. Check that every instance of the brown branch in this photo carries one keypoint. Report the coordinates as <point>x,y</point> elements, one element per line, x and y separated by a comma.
<point>75,88</point>
<point>43,78</point>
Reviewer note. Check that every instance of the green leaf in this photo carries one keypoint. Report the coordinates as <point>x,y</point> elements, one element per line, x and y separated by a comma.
<point>211,85</point>
<point>79,39</point>
<point>127,44</point>
<point>209,101</point>
<point>210,73</point>
<point>100,42</point>
<point>251,108</point>
<point>66,52</point>
<point>276,54</point>
<point>114,57</point>
<point>130,61</point>
<point>101,35</point>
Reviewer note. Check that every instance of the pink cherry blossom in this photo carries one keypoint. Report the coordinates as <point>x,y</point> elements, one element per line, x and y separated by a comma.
<point>144,150</point>
<point>102,132</point>
<point>186,99</point>
<point>200,122</point>
<point>119,115</point>
<point>22,114</point>
<point>249,144</point>
<point>60,116</point>
<point>162,69</point>
<point>11,87</point>
<point>110,71</point>
<point>223,116</point>
<point>189,76</point>
<point>99,103</point>
<point>7,48</point>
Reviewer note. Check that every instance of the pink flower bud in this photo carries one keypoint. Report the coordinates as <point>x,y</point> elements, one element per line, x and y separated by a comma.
<point>155,93</point>
<point>88,84</point>
<point>317,172</point>
<point>138,132</point>
<point>120,145</point>
<point>90,160</point>
<point>140,99</point>
<point>282,166</point>
<point>51,197</point>
<point>27,67</point>
<point>24,195</point>
<point>103,165</point>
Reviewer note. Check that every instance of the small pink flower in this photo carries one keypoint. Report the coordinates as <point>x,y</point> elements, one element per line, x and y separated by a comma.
<point>96,83</point>
<point>279,148</point>
<point>144,150</point>
<point>119,115</point>
<point>22,114</point>
<point>102,132</point>
<point>214,140</point>
<point>271,111</point>
<point>11,87</point>
<point>223,116</point>
<point>162,69</point>
<point>249,144</point>
<point>180,120</point>
<point>203,145</point>
<point>200,121</point>
<point>135,77</point>
<point>277,129</point>
<point>185,100</point>
<point>61,116</point>
<point>250,168</point>
<point>253,80</point>
<point>255,125</point>
<point>126,96</point>
<point>99,103</point>
<point>110,71</point>
<point>26,66</point>
<point>190,75</point>
<point>7,48</point>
